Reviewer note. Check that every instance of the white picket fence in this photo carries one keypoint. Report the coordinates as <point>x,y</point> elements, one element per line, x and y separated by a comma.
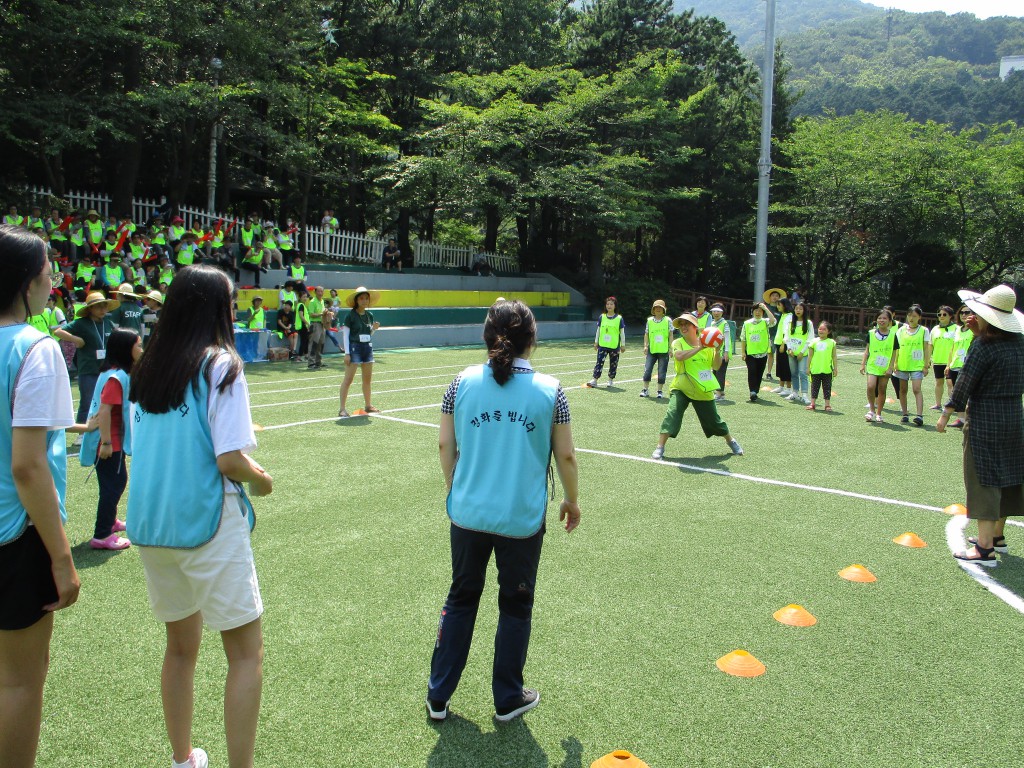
<point>316,242</point>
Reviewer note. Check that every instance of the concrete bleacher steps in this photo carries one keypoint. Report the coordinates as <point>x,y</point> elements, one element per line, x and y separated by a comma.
<point>434,308</point>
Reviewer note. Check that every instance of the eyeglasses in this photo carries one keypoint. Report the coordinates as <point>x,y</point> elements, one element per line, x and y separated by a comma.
<point>943,314</point>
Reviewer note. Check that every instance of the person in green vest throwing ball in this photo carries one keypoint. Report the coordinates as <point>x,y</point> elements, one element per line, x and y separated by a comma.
<point>609,342</point>
<point>694,384</point>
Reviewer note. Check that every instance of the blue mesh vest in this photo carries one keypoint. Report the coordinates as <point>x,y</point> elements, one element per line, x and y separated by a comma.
<point>176,504</point>
<point>504,439</point>
<point>15,343</point>
<point>91,440</point>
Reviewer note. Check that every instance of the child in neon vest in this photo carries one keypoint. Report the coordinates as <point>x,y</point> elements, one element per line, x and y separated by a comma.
<point>962,343</point>
<point>192,525</point>
<point>657,338</point>
<point>877,363</point>
<point>718,321</point>
<point>610,342</point>
<point>943,341</point>
<point>913,361</point>
<point>823,364</point>
<point>694,384</point>
<point>796,336</point>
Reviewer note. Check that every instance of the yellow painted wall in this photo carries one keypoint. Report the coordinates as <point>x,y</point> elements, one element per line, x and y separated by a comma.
<point>427,298</point>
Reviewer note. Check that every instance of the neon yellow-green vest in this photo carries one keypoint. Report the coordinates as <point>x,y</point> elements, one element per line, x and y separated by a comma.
<point>822,360</point>
<point>257,319</point>
<point>138,251</point>
<point>112,275</point>
<point>964,337</point>
<point>289,296</point>
<point>658,334</point>
<point>879,352</point>
<point>801,337</point>
<point>158,236</point>
<point>608,334</point>
<point>95,230</point>
<point>176,232</point>
<point>755,336</point>
<point>698,368</point>
<point>246,235</point>
<point>269,241</point>
<point>187,254</point>
<point>286,243</point>
<point>301,316</point>
<point>166,275</point>
<point>911,352</point>
<point>297,273</point>
<point>78,235</point>
<point>14,221</point>
<point>780,329</point>
<point>85,271</point>
<point>943,340</point>
<point>55,233</point>
<point>39,322</point>
<point>253,256</point>
<point>703,320</point>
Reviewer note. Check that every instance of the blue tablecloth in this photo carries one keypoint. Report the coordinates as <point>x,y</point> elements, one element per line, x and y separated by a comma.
<point>252,345</point>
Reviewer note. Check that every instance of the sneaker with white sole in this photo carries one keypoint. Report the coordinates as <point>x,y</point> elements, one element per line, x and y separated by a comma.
<point>592,383</point>
<point>611,383</point>
<point>643,392</point>
<point>659,452</point>
<point>735,447</point>
<point>793,397</point>
<point>777,390</point>
<point>437,710</point>
<point>525,703</point>
<point>660,395</point>
<point>878,418</point>
<point>196,759</point>
<point>869,416</point>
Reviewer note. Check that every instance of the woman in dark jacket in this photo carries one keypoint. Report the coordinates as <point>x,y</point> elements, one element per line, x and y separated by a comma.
<point>990,387</point>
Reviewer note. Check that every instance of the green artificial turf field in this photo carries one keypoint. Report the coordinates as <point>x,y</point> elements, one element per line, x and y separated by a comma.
<point>671,568</point>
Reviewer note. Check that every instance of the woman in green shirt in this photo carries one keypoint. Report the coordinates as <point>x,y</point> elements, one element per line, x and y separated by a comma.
<point>358,327</point>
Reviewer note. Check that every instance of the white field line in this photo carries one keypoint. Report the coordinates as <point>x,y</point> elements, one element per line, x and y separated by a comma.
<point>956,541</point>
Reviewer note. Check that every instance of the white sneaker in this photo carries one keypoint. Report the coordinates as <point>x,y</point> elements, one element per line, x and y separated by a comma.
<point>611,383</point>
<point>660,395</point>
<point>592,383</point>
<point>777,391</point>
<point>658,452</point>
<point>643,393</point>
<point>198,759</point>
<point>869,416</point>
<point>792,397</point>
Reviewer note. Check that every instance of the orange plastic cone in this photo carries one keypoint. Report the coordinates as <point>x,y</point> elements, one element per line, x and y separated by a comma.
<point>740,664</point>
<point>795,616</point>
<point>620,758</point>
<point>766,388</point>
<point>859,573</point>
<point>889,400</point>
<point>359,412</point>
<point>909,539</point>
<point>955,509</point>
<point>257,427</point>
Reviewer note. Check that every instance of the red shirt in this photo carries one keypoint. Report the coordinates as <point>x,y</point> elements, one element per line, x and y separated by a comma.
<point>113,396</point>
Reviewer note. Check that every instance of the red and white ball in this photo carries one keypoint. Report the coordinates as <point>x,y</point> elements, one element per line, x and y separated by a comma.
<point>712,337</point>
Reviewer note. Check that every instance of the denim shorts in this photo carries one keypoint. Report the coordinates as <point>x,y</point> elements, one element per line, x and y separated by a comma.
<point>361,352</point>
<point>908,375</point>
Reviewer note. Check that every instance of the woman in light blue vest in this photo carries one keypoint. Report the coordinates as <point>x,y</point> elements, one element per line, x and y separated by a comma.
<point>501,422</point>
<point>37,574</point>
<point>191,519</point>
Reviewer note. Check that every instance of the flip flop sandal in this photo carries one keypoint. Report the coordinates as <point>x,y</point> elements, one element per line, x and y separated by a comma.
<point>343,414</point>
<point>828,408</point>
<point>371,409</point>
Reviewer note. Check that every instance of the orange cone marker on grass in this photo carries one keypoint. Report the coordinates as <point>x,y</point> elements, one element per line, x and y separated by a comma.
<point>909,539</point>
<point>955,509</point>
<point>795,616</point>
<point>620,758</point>
<point>857,572</point>
<point>740,664</point>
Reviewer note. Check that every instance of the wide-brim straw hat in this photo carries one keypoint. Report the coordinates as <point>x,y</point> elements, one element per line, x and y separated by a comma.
<point>997,307</point>
<point>350,300</point>
<point>126,289</point>
<point>96,298</point>
<point>685,318</point>
<point>770,291</point>
<point>155,296</point>
<point>92,212</point>
<point>659,303</point>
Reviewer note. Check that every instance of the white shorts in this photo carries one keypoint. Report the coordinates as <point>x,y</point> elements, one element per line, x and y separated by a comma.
<point>217,579</point>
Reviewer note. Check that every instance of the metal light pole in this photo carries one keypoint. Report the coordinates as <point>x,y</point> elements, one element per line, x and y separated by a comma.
<point>764,163</point>
<point>211,179</point>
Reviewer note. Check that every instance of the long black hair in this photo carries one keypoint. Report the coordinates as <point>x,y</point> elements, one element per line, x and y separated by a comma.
<point>22,258</point>
<point>195,326</point>
<point>509,332</point>
<point>805,321</point>
<point>120,344</point>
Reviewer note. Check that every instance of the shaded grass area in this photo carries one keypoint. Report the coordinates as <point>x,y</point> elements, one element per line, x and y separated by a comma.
<point>669,570</point>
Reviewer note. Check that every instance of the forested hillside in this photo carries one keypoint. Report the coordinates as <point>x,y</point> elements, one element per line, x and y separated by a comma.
<point>745,18</point>
<point>930,66</point>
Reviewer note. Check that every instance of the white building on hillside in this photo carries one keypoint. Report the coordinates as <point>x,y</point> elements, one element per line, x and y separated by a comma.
<point>1008,64</point>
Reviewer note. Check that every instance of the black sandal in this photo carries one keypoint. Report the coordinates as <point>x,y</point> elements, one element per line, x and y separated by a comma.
<point>998,543</point>
<point>980,555</point>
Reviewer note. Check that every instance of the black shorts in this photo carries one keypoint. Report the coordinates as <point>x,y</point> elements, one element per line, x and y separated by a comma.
<point>939,370</point>
<point>26,581</point>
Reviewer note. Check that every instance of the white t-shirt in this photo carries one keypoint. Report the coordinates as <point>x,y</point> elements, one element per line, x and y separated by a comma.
<point>228,415</point>
<point>42,394</point>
